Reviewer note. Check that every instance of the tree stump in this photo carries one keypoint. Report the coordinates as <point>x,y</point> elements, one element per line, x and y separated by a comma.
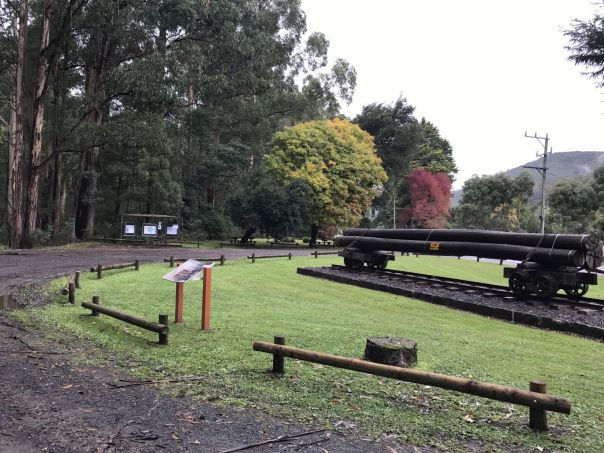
<point>391,351</point>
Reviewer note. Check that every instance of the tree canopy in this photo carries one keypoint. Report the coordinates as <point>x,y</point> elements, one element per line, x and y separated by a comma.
<point>150,106</point>
<point>337,160</point>
<point>587,45</point>
<point>495,203</point>
<point>430,197</point>
<point>572,206</point>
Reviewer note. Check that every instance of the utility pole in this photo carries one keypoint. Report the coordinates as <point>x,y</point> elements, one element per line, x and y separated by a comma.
<point>542,170</point>
<point>394,210</point>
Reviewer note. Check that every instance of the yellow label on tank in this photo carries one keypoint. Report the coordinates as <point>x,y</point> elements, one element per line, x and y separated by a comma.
<point>434,246</point>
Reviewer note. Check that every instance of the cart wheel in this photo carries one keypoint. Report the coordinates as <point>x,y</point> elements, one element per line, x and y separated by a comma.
<point>372,265</point>
<point>577,291</point>
<point>383,263</point>
<point>517,284</point>
<point>546,285</point>
<point>357,264</point>
<point>348,262</point>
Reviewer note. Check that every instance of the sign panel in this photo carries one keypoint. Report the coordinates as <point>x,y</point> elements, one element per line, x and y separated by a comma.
<point>189,270</point>
<point>172,230</point>
<point>434,246</point>
<point>149,229</point>
<point>129,229</point>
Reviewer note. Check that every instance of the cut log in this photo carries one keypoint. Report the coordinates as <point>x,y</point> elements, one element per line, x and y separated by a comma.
<point>573,258</point>
<point>391,351</point>
<point>551,241</point>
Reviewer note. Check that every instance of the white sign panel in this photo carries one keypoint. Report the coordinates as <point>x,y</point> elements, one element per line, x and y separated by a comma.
<point>172,230</point>
<point>129,229</point>
<point>189,270</point>
<point>149,230</point>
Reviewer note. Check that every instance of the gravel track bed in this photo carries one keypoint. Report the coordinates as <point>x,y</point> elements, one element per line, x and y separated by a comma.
<point>589,324</point>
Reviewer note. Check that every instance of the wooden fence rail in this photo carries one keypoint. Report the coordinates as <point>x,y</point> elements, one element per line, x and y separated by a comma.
<point>173,260</point>
<point>100,268</point>
<point>254,257</point>
<point>316,253</point>
<point>161,328</point>
<point>536,400</point>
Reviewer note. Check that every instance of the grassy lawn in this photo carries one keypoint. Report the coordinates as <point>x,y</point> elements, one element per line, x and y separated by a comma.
<point>256,301</point>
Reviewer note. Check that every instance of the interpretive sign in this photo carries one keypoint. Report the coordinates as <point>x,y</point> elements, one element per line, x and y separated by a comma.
<point>189,270</point>
<point>149,229</point>
<point>129,229</point>
<point>172,230</point>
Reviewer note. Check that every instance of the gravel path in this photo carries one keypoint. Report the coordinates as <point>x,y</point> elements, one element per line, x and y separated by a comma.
<point>19,267</point>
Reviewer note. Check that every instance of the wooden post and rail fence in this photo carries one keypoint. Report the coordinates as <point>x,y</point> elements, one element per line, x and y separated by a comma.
<point>536,398</point>
<point>100,268</point>
<point>173,260</point>
<point>70,287</point>
<point>161,328</point>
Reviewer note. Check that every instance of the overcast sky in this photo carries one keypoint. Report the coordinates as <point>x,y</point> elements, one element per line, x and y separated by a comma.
<point>482,71</point>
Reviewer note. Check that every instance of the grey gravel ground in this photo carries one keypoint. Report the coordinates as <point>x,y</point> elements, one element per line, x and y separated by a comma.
<point>18,267</point>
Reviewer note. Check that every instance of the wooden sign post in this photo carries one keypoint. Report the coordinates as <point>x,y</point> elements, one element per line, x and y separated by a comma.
<point>205,299</point>
<point>180,289</point>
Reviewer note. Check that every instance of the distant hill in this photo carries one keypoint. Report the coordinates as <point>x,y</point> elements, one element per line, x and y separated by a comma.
<point>569,165</point>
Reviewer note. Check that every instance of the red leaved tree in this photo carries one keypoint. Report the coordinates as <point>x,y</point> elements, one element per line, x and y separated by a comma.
<point>430,195</point>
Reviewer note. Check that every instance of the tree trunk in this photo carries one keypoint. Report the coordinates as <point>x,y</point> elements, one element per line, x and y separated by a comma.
<point>38,122</point>
<point>16,166</point>
<point>12,135</point>
<point>87,183</point>
<point>211,193</point>
<point>118,206</point>
<point>314,232</point>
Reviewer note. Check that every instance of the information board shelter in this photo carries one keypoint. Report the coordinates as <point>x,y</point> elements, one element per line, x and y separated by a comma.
<point>154,227</point>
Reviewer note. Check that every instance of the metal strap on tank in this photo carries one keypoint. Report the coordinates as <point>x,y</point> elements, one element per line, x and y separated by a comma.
<point>531,251</point>
<point>357,239</point>
<point>549,256</point>
<point>427,239</point>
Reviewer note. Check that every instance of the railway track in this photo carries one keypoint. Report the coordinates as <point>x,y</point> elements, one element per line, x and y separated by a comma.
<point>482,289</point>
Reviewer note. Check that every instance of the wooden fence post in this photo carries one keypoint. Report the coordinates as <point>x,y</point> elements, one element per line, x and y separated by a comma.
<point>99,271</point>
<point>180,289</point>
<point>76,280</point>
<point>163,337</point>
<point>171,261</point>
<point>206,298</point>
<point>253,257</point>
<point>537,416</point>
<point>278,359</point>
<point>316,253</point>
<point>289,255</point>
<point>136,265</point>
<point>72,287</point>
<point>96,300</point>
<point>222,260</point>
